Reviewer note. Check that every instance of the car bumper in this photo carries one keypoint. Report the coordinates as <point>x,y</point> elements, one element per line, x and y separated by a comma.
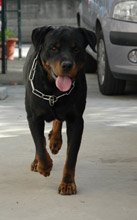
<point>123,38</point>
<point>120,39</point>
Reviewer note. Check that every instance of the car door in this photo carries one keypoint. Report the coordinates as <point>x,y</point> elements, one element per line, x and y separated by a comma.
<point>94,13</point>
<point>87,10</point>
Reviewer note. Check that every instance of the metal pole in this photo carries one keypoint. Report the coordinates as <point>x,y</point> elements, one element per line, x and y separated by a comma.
<point>3,28</point>
<point>19,28</point>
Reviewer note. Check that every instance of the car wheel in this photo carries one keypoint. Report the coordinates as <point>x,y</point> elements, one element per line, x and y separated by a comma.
<point>108,85</point>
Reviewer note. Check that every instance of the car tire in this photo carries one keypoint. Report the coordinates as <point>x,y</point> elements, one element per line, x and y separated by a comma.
<point>108,85</point>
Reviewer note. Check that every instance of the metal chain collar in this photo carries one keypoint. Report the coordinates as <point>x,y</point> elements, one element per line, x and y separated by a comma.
<point>52,99</point>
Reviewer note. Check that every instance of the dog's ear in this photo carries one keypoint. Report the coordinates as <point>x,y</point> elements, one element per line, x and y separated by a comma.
<point>38,36</point>
<point>90,38</point>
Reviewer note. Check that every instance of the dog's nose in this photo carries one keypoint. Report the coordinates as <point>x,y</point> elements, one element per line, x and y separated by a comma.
<point>66,65</point>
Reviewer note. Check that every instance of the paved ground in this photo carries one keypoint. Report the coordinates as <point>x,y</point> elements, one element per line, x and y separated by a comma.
<point>106,169</point>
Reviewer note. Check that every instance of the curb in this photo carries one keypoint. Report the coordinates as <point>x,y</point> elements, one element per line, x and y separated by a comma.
<point>12,78</point>
<point>3,93</point>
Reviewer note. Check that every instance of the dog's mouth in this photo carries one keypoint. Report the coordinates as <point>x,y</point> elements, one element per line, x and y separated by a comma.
<point>63,77</point>
<point>63,83</point>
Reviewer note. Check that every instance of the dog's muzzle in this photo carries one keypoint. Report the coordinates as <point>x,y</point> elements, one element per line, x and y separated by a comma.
<point>66,66</point>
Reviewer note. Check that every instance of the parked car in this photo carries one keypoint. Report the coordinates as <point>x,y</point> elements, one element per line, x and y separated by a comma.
<point>115,25</point>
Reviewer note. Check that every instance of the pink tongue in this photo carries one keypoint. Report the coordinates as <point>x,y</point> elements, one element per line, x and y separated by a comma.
<point>63,83</point>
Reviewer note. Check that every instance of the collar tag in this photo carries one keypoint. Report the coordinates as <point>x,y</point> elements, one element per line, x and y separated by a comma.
<point>52,100</point>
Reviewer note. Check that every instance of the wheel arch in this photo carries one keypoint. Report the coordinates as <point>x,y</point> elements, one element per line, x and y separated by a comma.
<point>98,27</point>
<point>78,19</point>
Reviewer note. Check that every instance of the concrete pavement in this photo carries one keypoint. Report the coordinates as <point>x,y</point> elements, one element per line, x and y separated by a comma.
<point>106,170</point>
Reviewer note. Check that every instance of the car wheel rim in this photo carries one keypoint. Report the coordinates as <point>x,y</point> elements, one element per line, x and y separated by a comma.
<point>101,61</point>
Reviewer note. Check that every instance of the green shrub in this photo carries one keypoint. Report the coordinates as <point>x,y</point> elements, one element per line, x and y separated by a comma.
<point>8,34</point>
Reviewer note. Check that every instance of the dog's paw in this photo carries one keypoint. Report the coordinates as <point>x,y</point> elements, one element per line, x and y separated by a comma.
<point>55,146</point>
<point>43,167</point>
<point>55,143</point>
<point>34,165</point>
<point>67,188</point>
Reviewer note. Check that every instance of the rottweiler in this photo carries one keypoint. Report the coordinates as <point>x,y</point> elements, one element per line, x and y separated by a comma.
<point>56,91</point>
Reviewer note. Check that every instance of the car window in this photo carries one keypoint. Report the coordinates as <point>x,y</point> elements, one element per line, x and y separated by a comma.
<point>100,2</point>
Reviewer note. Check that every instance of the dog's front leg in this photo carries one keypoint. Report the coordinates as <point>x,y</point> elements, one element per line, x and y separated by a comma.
<point>74,134</point>
<point>55,137</point>
<point>42,162</point>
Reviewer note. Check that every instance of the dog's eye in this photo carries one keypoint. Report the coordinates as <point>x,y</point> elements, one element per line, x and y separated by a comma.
<point>75,49</point>
<point>54,49</point>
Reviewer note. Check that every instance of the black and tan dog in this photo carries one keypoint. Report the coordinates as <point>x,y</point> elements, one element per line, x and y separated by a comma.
<point>56,91</point>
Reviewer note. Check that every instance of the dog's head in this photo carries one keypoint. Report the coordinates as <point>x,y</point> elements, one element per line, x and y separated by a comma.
<point>62,50</point>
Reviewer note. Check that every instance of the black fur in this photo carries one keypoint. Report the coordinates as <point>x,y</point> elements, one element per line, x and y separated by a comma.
<point>57,45</point>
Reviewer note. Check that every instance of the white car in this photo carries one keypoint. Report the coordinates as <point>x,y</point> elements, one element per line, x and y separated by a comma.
<point>115,25</point>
